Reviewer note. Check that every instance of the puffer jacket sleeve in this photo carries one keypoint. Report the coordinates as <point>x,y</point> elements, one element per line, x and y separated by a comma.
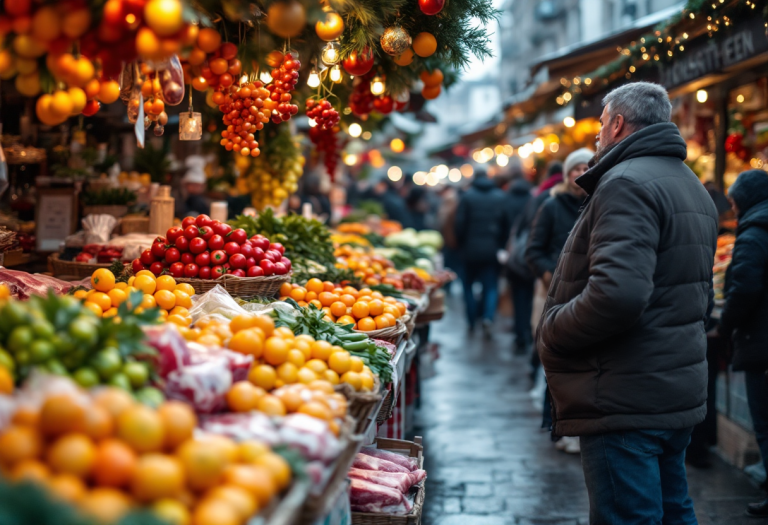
<point>622,261</point>
<point>746,278</point>
<point>537,252</point>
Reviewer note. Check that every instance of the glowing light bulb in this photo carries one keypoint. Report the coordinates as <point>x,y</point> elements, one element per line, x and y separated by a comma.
<point>335,74</point>
<point>331,53</point>
<point>569,122</point>
<point>312,122</point>
<point>538,146</point>
<point>314,79</point>
<point>397,145</point>
<point>355,130</point>
<point>395,173</point>
<point>702,96</point>
<point>377,85</point>
<point>350,159</point>
<point>265,77</point>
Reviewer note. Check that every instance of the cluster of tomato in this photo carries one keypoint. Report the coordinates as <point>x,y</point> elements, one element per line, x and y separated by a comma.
<point>203,248</point>
<point>323,113</point>
<point>244,114</point>
<point>284,79</point>
<point>362,101</point>
<point>326,143</point>
<point>213,64</point>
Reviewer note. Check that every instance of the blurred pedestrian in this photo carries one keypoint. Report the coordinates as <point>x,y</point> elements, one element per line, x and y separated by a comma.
<point>622,336</point>
<point>744,315</point>
<point>481,227</point>
<point>394,205</point>
<point>446,218</point>
<point>553,178</point>
<point>418,206</point>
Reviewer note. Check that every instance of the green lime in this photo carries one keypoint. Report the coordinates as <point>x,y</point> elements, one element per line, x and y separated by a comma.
<point>20,338</point>
<point>84,331</point>
<point>23,358</point>
<point>150,396</point>
<point>41,351</point>
<point>120,380</point>
<point>13,315</point>
<point>74,359</point>
<point>55,366</point>
<point>107,363</point>
<point>6,360</point>
<point>137,373</point>
<point>70,304</point>
<point>86,377</point>
<point>43,329</point>
<point>63,344</point>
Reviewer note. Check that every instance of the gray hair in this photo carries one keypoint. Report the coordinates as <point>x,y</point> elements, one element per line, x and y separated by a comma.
<point>640,103</point>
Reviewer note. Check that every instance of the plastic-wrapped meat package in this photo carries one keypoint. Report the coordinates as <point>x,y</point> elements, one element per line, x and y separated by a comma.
<point>172,349</point>
<point>239,364</point>
<point>310,436</point>
<point>404,461</point>
<point>394,480</point>
<point>203,385</point>
<point>23,285</point>
<point>365,496</point>
<point>242,426</point>
<point>366,462</point>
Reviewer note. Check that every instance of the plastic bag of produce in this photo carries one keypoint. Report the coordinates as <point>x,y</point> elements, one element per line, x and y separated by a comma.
<point>215,304</point>
<point>238,364</point>
<point>242,426</point>
<point>204,385</point>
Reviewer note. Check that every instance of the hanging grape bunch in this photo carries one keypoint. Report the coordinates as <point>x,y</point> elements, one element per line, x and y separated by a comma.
<point>244,115</point>
<point>323,113</point>
<point>361,101</point>
<point>285,76</point>
<point>326,143</point>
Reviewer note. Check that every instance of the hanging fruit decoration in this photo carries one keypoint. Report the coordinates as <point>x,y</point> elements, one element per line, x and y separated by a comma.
<point>405,58</point>
<point>424,44</point>
<point>395,40</point>
<point>323,113</point>
<point>361,99</point>
<point>358,64</point>
<point>285,77</point>
<point>244,115</point>
<point>286,19</point>
<point>431,7</point>
<point>275,174</point>
<point>326,144</point>
<point>331,28</point>
<point>432,83</point>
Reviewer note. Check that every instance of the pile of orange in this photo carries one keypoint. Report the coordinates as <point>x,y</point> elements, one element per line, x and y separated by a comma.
<point>173,300</point>
<point>366,310</point>
<point>107,454</point>
<point>372,269</point>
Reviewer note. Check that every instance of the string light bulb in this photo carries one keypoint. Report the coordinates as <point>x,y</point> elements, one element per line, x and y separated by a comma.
<point>314,79</point>
<point>377,85</point>
<point>335,74</point>
<point>331,53</point>
<point>265,77</point>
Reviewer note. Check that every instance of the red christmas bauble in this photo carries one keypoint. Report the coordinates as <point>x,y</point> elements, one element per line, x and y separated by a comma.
<point>358,64</point>
<point>431,7</point>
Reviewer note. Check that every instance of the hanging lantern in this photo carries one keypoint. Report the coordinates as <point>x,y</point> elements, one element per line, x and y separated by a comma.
<point>395,40</point>
<point>331,53</point>
<point>190,125</point>
<point>335,74</point>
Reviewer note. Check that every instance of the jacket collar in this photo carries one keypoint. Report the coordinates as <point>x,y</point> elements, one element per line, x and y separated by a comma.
<point>657,140</point>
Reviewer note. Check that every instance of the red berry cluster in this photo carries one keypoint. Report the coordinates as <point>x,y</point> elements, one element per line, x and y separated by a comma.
<point>244,115</point>
<point>206,249</point>
<point>326,143</point>
<point>285,77</point>
<point>221,69</point>
<point>361,100</point>
<point>323,113</point>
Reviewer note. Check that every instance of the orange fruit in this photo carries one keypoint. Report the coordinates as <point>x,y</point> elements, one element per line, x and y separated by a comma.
<point>93,307</point>
<point>101,299</point>
<point>30,470</point>
<point>165,282</point>
<point>186,288</point>
<point>24,416</point>
<point>357,364</point>
<point>360,309</point>
<point>106,505</point>
<point>212,511</point>
<point>307,375</point>
<point>321,350</point>
<point>179,422</point>
<point>338,308</point>
<point>114,463</point>
<point>382,322</point>
<point>203,465</point>
<point>18,443</point>
<point>67,487</point>
<point>327,298</point>
<point>275,351</point>
<point>148,301</point>
<point>271,405</point>
<point>291,398</point>
<point>375,307</point>
<point>146,284</point>
<point>114,400</point>
<point>340,362</point>
<point>141,428</point>
<point>297,294</point>
<point>248,342</point>
<point>402,308</point>
<point>165,299</point>
<point>353,379</point>
<point>72,454</point>
<point>6,381</point>
<point>366,324</point>
<point>109,92</point>
<point>117,297</point>
<point>285,289</point>
<point>263,376</point>
<point>314,285</point>
<point>288,373</point>
<point>331,376</point>
<point>348,299</point>
<point>208,40</point>
<point>266,323</point>
<point>164,16</point>
<point>328,286</point>
<point>296,356</point>
<point>317,410</point>
<point>284,332</point>
<point>172,511</point>
<point>251,449</point>
<point>244,396</point>
<point>346,320</point>
<point>157,476</point>
<point>317,366</point>
<point>61,413</point>
<point>256,480</point>
<point>226,445</point>
<point>278,467</point>
<point>321,385</point>
<point>98,423</point>
<point>237,497</point>
<point>242,322</point>
<point>367,381</point>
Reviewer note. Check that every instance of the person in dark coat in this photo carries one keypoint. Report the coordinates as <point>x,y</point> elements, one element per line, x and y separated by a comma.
<point>393,204</point>
<point>622,337</point>
<point>481,227</point>
<point>744,319</point>
<point>553,178</point>
<point>556,218</point>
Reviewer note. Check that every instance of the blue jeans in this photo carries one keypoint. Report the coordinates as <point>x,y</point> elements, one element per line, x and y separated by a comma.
<point>757,398</point>
<point>637,477</point>
<point>487,276</point>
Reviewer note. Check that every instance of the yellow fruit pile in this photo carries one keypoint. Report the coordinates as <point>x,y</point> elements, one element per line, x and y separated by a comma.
<point>173,300</point>
<point>107,454</point>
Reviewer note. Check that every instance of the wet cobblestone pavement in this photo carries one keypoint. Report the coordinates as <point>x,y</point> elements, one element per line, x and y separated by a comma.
<point>488,461</point>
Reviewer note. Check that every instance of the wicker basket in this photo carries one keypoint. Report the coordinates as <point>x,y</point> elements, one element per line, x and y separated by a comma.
<point>361,404</point>
<point>71,268</point>
<point>415,450</point>
<point>387,407</point>
<point>134,224</point>
<point>115,210</point>
<point>243,287</point>
<point>393,334</point>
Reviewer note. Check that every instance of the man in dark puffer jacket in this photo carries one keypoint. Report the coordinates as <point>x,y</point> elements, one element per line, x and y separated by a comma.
<point>745,314</point>
<point>622,336</point>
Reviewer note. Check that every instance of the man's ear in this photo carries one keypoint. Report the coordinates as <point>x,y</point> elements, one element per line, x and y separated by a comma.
<point>618,124</point>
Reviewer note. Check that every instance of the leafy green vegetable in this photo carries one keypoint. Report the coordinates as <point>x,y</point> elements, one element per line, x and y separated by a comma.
<point>310,321</point>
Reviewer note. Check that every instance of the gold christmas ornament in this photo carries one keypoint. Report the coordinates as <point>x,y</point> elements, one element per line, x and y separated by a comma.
<point>395,40</point>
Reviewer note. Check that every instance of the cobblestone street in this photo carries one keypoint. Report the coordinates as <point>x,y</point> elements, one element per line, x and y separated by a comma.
<point>488,461</point>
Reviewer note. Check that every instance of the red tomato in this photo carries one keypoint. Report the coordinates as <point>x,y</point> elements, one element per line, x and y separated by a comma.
<point>187,222</point>
<point>173,233</point>
<point>268,267</point>
<point>177,270</point>
<point>205,272</point>
<point>187,258</point>
<point>191,270</point>
<point>158,250</point>
<point>247,250</point>
<point>159,239</point>
<point>217,271</point>
<point>287,262</point>
<point>182,243</point>
<point>237,260</point>
<point>273,255</point>
<point>258,254</point>
<point>219,257</point>
<point>203,220</point>
<point>203,259</point>
<point>206,232</point>
<point>216,242</point>
<point>222,229</point>
<point>190,232</point>
<point>239,236</point>
<point>232,248</point>
<point>277,246</point>
<point>137,266</point>
<point>250,261</point>
<point>172,255</point>
<point>255,271</point>
<point>197,245</point>
<point>238,273</point>
<point>280,269</point>
<point>157,268</point>
<point>147,258</point>
<point>259,241</point>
